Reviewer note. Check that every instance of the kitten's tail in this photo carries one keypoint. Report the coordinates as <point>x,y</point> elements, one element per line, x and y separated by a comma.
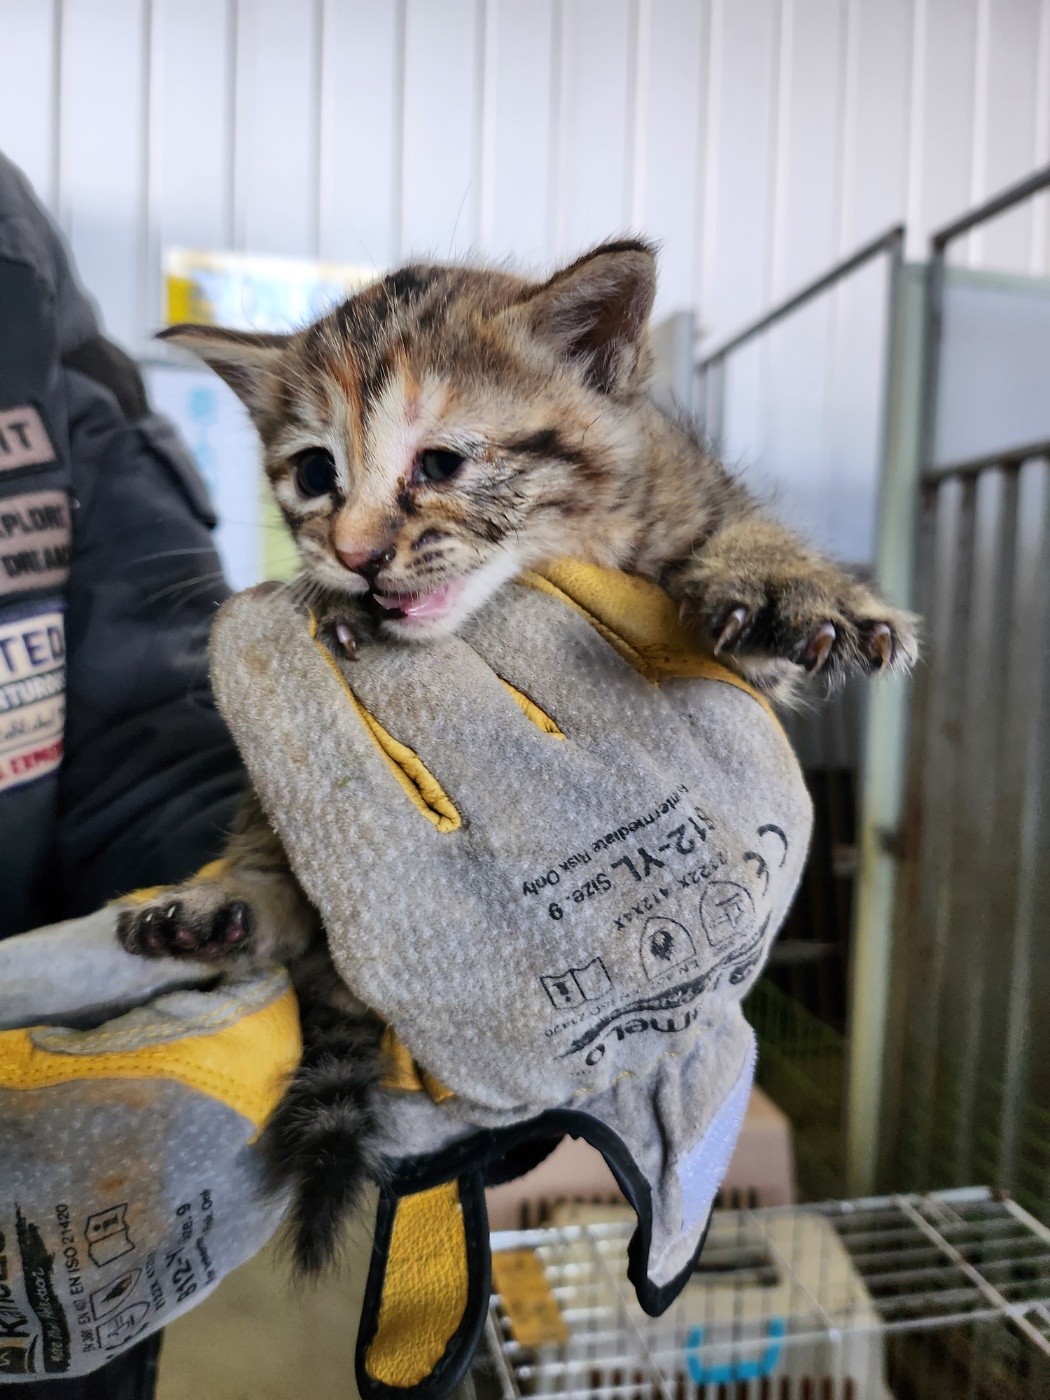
<point>322,1140</point>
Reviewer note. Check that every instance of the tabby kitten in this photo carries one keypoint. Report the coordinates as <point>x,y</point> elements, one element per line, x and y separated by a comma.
<point>438,433</point>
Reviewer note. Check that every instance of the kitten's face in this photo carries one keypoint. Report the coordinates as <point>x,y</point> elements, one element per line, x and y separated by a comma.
<point>448,427</point>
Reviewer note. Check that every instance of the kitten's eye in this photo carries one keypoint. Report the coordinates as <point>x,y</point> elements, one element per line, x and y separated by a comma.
<point>438,464</point>
<point>314,472</point>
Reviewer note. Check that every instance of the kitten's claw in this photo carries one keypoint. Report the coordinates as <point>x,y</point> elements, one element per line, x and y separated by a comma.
<point>879,646</point>
<point>345,636</point>
<point>178,931</point>
<point>149,933</point>
<point>237,923</point>
<point>799,615</point>
<point>731,628</point>
<point>818,648</point>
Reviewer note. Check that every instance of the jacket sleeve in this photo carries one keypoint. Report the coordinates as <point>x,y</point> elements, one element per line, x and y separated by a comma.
<point>151,779</point>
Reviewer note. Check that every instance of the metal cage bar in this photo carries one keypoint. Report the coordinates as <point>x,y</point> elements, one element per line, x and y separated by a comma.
<point>710,371</point>
<point>833,1300</point>
<point>971,1092</point>
<point>879,802</point>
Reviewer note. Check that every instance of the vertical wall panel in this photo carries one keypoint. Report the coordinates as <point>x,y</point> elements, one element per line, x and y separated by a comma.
<point>103,124</point>
<point>947,116</point>
<point>190,164</point>
<point>875,179</point>
<point>1010,138</point>
<point>361,131</point>
<point>803,240</point>
<point>1039,252</point>
<point>191,110</point>
<point>441,128</point>
<point>852,428</point>
<point>808,218</point>
<point>756,139</point>
<point>792,410</point>
<point>521,86</point>
<point>595,140</point>
<point>739,177</point>
<point>670,99</point>
<point>27,90</point>
<point>276,196</point>
<point>875,145</point>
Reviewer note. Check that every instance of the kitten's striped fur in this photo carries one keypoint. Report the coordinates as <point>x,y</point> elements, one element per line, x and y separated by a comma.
<point>466,424</point>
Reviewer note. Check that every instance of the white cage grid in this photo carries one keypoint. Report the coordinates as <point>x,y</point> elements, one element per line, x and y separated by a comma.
<point>791,1303</point>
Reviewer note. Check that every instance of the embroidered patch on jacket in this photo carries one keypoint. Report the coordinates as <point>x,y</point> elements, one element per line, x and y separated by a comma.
<point>23,439</point>
<point>32,696</point>
<point>34,541</point>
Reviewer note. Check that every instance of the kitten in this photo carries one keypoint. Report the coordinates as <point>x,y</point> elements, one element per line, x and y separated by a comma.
<point>435,435</point>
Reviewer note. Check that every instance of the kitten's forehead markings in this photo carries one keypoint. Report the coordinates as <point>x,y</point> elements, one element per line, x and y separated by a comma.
<point>405,420</point>
<point>413,404</point>
<point>349,416</point>
<point>346,407</point>
<point>371,513</point>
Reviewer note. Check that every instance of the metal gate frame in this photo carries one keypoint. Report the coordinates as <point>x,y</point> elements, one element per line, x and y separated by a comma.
<point>885,902</point>
<point>880,799</point>
<point>710,371</point>
<point>914,334</point>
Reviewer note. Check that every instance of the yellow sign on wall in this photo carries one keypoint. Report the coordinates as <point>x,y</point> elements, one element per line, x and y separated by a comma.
<point>250,292</point>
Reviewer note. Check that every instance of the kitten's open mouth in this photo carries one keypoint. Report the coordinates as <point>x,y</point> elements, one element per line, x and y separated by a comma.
<point>420,609</point>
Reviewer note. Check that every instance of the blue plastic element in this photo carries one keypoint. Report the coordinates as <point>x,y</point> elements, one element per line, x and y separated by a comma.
<point>736,1370</point>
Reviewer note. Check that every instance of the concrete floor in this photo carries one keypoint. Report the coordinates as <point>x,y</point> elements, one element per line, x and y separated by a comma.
<point>259,1338</point>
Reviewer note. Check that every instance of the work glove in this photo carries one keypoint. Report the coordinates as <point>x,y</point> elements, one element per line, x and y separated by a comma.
<point>130,1100</point>
<point>552,853</point>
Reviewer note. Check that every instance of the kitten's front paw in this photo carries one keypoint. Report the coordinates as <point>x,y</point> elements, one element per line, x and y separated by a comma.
<point>173,928</point>
<point>806,622</point>
<point>342,630</point>
<point>341,637</point>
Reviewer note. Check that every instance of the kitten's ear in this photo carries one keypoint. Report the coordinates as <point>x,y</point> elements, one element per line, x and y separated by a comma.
<point>595,311</point>
<point>242,358</point>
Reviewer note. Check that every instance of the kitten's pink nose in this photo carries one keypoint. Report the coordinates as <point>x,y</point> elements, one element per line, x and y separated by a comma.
<point>367,562</point>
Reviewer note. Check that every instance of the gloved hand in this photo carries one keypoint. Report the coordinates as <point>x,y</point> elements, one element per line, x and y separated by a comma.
<point>129,1102</point>
<point>552,853</point>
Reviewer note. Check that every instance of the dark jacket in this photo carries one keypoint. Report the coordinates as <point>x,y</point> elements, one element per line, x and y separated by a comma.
<point>109,581</point>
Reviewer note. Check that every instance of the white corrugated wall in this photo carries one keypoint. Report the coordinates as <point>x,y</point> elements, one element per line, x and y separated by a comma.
<point>756,139</point>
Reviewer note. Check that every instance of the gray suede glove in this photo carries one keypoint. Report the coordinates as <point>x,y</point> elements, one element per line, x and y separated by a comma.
<point>552,853</point>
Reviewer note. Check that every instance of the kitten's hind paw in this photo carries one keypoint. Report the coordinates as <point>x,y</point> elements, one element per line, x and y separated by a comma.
<point>172,928</point>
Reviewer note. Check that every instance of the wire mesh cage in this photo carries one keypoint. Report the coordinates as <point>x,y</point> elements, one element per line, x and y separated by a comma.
<point>891,1298</point>
<point>802,1066</point>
